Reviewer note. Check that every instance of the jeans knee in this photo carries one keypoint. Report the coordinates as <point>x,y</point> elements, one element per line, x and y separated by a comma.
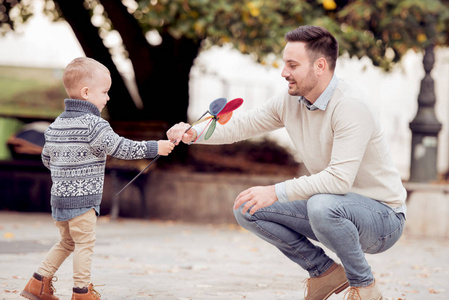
<point>319,206</point>
<point>244,219</point>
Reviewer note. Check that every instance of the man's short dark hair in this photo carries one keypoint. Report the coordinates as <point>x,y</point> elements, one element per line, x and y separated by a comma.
<point>319,42</point>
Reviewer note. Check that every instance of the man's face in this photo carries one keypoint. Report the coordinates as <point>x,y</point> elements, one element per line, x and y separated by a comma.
<point>298,70</point>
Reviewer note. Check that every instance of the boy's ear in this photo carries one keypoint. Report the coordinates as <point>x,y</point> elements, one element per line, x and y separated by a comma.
<point>85,93</point>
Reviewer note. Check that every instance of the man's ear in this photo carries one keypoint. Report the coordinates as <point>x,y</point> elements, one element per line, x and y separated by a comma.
<point>85,93</point>
<point>320,65</point>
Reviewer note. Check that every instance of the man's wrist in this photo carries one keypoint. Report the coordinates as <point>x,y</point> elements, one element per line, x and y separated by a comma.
<point>195,135</point>
<point>281,192</point>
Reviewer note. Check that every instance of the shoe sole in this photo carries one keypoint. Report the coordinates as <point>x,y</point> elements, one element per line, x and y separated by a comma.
<point>338,290</point>
<point>28,295</point>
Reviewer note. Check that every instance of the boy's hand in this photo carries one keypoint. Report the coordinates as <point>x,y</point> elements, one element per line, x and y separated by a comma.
<point>178,133</point>
<point>164,147</point>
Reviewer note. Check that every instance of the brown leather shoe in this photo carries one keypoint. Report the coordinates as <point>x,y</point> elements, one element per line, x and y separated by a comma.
<point>40,288</point>
<point>370,292</point>
<point>86,293</point>
<point>333,281</point>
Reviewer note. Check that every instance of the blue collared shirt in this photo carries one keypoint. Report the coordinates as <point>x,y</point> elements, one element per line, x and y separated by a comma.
<point>321,104</point>
<point>323,99</point>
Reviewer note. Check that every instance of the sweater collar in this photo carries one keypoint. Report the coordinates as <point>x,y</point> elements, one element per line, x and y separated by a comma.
<point>81,106</point>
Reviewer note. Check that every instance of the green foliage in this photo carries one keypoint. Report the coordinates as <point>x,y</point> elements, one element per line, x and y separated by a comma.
<point>255,27</point>
<point>13,13</point>
<point>8,126</point>
<point>383,30</point>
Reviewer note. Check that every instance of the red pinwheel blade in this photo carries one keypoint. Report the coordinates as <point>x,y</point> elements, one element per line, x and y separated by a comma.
<point>231,106</point>
<point>211,129</point>
<point>224,118</point>
<point>217,105</point>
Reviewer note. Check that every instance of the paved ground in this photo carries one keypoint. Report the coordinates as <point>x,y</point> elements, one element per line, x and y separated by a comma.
<point>139,259</point>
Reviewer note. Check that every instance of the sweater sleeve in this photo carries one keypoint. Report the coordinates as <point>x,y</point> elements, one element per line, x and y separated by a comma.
<point>352,127</point>
<point>45,157</point>
<point>107,141</point>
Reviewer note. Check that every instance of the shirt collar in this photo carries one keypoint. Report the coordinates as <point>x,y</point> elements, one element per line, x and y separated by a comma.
<point>323,99</point>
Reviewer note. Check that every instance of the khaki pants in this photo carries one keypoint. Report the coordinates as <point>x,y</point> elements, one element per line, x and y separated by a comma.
<point>77,236</point>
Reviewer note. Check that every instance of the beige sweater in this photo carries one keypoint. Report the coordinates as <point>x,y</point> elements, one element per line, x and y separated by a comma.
<point>342,147</point>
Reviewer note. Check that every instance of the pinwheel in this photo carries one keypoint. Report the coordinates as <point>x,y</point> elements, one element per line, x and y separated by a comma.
<point>220,111</point>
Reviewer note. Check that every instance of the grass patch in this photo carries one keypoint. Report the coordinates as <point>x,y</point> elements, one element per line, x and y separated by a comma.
<point>31,92</point>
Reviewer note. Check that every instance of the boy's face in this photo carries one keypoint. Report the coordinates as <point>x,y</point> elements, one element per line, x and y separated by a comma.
<point>97,91</point>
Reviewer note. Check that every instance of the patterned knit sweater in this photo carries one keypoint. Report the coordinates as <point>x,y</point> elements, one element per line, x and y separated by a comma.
<point>76,146</point>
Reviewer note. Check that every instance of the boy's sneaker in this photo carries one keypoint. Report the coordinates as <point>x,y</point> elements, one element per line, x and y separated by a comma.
<point>332,281</point>
<point>40,288</point>
<point>370,292</point>
<point>85,293</point>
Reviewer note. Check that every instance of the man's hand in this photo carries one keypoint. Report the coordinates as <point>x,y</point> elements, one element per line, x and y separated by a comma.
<point>258,196</point>
<point>178,133</point>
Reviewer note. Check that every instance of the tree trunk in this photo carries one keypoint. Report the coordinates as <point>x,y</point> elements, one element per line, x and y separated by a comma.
<point>133,38</point>
<point>121,106</point>
<point>162,72</point>
<point>168,87</point>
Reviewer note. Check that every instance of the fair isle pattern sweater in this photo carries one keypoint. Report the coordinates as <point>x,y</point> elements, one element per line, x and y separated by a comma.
<point>77,144</point>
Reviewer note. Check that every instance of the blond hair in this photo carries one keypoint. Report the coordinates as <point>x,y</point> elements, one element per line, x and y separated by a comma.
<point>81,72</point>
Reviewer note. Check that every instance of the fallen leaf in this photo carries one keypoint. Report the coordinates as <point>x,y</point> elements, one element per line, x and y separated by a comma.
<point>8,235</point>
<point>432,291</point>
<point>412,292</point>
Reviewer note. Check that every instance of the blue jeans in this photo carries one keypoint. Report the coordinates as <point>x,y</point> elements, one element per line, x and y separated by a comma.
<point>350,225</point>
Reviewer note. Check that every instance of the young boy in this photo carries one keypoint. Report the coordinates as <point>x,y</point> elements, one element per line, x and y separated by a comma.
<point>76,146</point>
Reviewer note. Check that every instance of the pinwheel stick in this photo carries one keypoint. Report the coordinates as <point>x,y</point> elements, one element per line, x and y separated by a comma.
<point>216,107</point>
<point>153,161</point>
